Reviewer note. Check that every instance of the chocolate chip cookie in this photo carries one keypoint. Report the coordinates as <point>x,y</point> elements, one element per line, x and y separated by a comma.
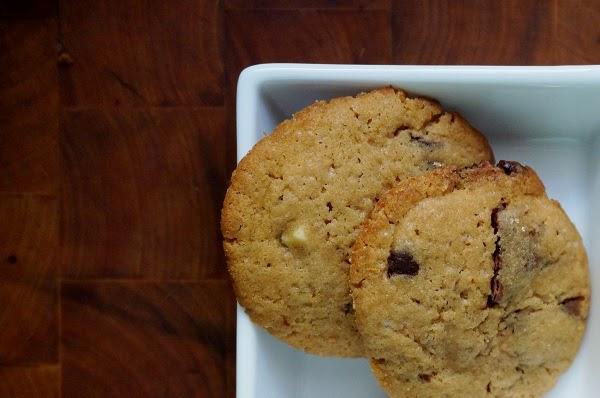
<point>470,283</point>
<point>296,201</point>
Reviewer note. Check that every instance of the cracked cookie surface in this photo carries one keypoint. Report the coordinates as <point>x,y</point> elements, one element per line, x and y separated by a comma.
<point>296,201</point>
<point>497,296</point>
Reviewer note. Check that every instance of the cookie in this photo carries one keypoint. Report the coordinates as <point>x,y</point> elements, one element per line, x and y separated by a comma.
<point>470,283</point>
<point>297,199</point>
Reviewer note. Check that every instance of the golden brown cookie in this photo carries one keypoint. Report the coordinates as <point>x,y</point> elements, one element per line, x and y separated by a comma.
<point>297,198</point>
<point>470,283</point>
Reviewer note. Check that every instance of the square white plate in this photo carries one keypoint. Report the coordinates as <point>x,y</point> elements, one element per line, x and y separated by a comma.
<point>546,117</point>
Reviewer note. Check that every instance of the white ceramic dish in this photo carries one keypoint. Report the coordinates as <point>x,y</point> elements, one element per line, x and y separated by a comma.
<point>546,117</point>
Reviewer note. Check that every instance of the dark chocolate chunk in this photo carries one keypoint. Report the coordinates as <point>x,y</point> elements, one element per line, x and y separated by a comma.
<point>423,142</point>
<point>572,305</point>
<point>401,263</point>
<point>510,166</point>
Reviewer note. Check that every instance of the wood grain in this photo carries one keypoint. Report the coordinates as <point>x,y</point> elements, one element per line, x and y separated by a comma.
<point>324,36</point>
<point>511,32</point>
<point>117,138</point>
<point>29,382</point>
<point>147,340</point>
<point>141,52</point>
<point>321,36</point>
<point>578,32</point>
<point>28,8</point>
<point>142,192</point>
<point>28,285</point>
<point>306,4</point>
<point>28,106</point>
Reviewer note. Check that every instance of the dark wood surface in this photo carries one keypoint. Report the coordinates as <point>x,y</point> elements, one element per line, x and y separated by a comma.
<point>117,137</point>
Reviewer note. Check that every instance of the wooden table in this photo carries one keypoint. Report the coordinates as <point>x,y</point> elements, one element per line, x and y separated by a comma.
<point>117,137</point>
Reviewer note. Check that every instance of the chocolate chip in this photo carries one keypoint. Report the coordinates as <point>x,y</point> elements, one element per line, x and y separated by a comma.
<point>572,305</point>
<point>422,141</point>
<point>12,259</point>
<point>401,263</point>
<point>426,378</point>
<point>510,166</point>
<point>488,388</point>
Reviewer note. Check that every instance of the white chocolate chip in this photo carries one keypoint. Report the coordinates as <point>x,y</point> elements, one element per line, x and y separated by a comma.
<point>295,236</point>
